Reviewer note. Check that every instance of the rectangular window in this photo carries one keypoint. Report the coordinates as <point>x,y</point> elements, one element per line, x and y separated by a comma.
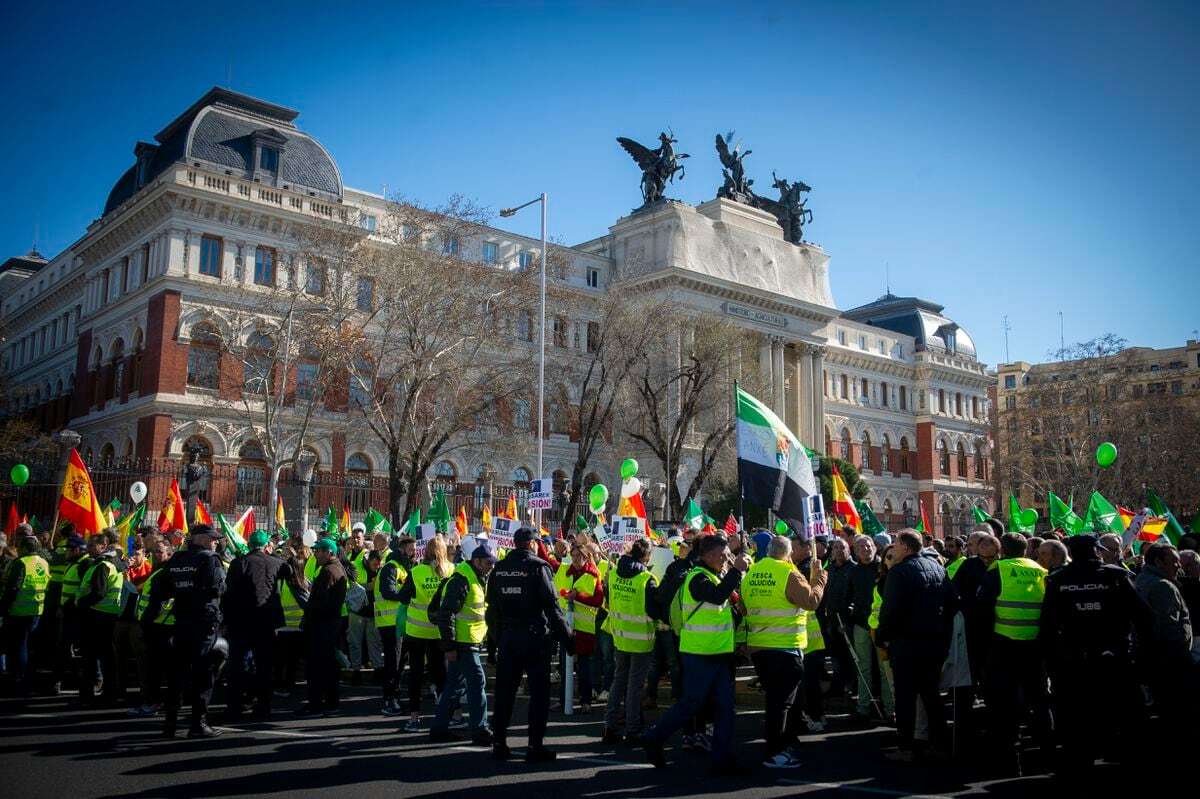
<point>1176,386</point>
<point>451,245</point>
<point>314,279</point>
<point>365,299</point>
<point>883,394</point>
<point>864,394</point>
<point>306,381</point>
<point>525,260</point>
<point>862,342</point>
<point>124,274</point>
<point>369,222</point>
<point>145,263</point>
<point>268,159</point>
<point>560,331</point>
<point>525,326</point>
<point>882,347</point>
<point>1010,403</point>
<point>264,266</point>
<point>210,256</point>
<point>1010,381</point>
<point>842,337</point>
<point>490,252</point>
<point>521,420</point>
<point>593,278</point>
<point>104,289</point>
<point>903,398</point>
<point>593,336</point>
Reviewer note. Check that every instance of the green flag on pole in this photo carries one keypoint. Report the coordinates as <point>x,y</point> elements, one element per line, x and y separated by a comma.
<point>232,539</point>
<point>981,516</point>
<point>1062,516</point>
<point>331,523</point>
<point>1014,517</point>
<point>694,518</point>
<point>1174,529</point>
<point>870,522</point>
<point>1102,517</point>
<point>439,512</point>
<point>376,522</point>
<point>581,523</point>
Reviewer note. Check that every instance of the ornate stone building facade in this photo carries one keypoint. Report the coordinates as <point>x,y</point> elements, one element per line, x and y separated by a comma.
<point>110,335</point>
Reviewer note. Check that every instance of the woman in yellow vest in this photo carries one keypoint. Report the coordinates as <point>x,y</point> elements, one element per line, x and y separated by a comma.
<point>420,633</point>
<point>630,597</point>
<point>581,591</point>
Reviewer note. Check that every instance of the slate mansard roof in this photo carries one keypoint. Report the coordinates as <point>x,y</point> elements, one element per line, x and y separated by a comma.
<point>218,130</point>
<point>921,319</point>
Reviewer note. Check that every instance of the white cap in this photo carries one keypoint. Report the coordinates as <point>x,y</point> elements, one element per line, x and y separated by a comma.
<point>358,527</point>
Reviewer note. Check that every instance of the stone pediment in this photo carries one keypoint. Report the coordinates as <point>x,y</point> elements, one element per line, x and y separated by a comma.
<point>726,241</point>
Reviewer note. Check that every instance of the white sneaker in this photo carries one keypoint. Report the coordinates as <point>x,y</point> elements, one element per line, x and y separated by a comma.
<point>781,760</point>
<point>815,725</point>
<point>412,725</point>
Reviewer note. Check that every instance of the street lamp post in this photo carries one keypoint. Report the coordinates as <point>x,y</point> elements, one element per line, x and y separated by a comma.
<point>507,212</point>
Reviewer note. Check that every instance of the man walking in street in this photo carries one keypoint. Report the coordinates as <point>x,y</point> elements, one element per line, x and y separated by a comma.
<point>253,612</point>
<point>631,594</point>
<point>322,626</point>
<point>22,600</point>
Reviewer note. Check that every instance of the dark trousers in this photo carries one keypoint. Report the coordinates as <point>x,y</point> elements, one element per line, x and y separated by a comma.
<point>98,656</point>
<point>68,637</point>
<point>424,657</point>
<point>917,671</point>
<point>43,640</point>
<point>1015,685</point>
<point>157,642</point>
<point>666,655</point>
<point>781,674</point>
<point>522,654</point>
<point>191,666</point>
<point>320,660</point>
<point>583,667</point>
<point>706,678</point>
<point>259,644</point>
<point>17,631</point>
<point>391,661</point>
<point>814,670</point>
<point>1098,708</point>
<point>289,647</point>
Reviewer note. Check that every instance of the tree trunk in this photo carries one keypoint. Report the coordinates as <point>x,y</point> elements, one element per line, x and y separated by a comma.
<point>396,488</point>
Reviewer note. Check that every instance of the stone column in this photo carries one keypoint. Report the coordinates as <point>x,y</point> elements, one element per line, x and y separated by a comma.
<point>802,395</point>
<point>777,404</point>
<point>817,372</point>
<point>764,359</point>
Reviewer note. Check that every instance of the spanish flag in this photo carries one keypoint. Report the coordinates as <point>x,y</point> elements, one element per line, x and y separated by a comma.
<point>843,503</point>
<point>510,512</point>
<point>632,506</point>
<point>1126,516</point>
<point>280,518</point>
<point>460,521</point>
<point>486,518</point>
<point>77,503</point>
<point>173,515</point>
<point>247,524</point>
<point>201,515</point>
<point>344,524</point>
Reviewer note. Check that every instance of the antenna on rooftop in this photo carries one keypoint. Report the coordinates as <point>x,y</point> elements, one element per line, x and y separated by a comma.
<point>887,278</point>
<point>1005,326</point>
<point>1062,339</point>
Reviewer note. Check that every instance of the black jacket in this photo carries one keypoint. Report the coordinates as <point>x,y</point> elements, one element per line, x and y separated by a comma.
<point>521,598</point>
<point>918,603</point>
<point>454,595</point>
<point>252,591</point>
<point>327,595</point>
<point>859,592</point>
<point>1090,611</point>
<point>14,575</point>
<point>833,601</point>
<point>390,588</point>
<point>196,581</point>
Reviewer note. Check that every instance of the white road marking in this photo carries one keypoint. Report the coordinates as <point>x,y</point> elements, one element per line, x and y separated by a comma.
<point>850,786</point>
<point>283,733</point>
<point>574,756</point>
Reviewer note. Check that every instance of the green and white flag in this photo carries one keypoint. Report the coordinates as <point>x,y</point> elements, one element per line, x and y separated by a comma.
<point>773,467</point>
<point>694,518</point>
<point>1101,516</point>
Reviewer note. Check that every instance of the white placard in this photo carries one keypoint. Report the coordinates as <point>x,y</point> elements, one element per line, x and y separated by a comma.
<point>660,559</point>
<point>540,494</point>
<point>423,535</point>
<point>503,531</point>
<point>625,530</point>
<point>814,518</point>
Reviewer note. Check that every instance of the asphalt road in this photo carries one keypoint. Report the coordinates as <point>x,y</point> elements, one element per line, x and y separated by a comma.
<point>49,749</point>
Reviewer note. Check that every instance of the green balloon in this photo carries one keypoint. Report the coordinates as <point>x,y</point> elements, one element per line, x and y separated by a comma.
<point>1029,517</point>
<point>1106,454</point>
<point>629,467</point>
<point>781,527</point>
<point>19,474</point>
<point>597,497</point>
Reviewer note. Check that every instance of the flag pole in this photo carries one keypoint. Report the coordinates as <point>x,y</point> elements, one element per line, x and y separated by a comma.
<point>741,493</point>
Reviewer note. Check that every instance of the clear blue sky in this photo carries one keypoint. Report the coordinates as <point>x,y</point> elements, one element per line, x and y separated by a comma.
<point>1019,159</point>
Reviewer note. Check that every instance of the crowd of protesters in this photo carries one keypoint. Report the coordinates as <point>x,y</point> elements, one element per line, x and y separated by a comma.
<point>994,642</point>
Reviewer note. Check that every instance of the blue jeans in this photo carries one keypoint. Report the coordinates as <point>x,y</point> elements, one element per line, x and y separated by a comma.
<point>706,678</point>
<point>604,665</point>
<point>17,631</point>
<point>465,670</point>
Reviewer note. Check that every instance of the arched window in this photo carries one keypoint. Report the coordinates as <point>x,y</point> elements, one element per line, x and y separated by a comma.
<point>203,357</point>
<point>116,370</point>
<point>845,444</point>
<point>257,377</point>
<point>97,384</point>
<point>904,455</point>
<point>251,475</point>
<point>864,460</point>
<point>135,370</point>
<point>962,461</point>
<point>484,472</point>
<point>445,471</point>
<point>885,457</point>
<point>521,476</point>
<point>358,482</point>
<point>107,455</point>
<point>979,471</point>
<point>943,457</point>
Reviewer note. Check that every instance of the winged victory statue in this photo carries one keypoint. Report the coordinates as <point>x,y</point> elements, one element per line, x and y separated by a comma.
<point>658,166</point>
<point>737,185</point>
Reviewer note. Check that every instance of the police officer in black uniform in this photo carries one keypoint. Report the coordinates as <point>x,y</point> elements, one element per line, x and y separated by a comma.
<point>523,612</point>
<point>196,581</point>
<point>1089,616</point>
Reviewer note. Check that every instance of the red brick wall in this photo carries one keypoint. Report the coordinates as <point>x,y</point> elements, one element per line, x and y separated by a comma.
<point>82,396</point>
<point>164,367</point>
<point>926,454</point>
